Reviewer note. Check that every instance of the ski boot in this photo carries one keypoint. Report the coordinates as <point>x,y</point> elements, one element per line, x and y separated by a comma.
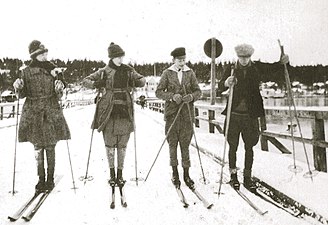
<point>249,184</point>
<point>120,181</point>
<point>50,184</point>
<point>189,182</point>
<point>112,180</point>
<point>41,185</point>
<point>175,180</point>
<point>234,181</point>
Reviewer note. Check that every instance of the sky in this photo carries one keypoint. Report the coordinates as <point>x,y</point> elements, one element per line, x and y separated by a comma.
<point>149,30</point>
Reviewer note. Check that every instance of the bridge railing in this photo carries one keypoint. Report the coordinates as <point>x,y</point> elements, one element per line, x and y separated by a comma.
<point>317,115</point>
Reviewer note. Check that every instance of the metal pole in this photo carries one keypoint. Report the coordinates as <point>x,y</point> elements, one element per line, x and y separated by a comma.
<point>213,77</point>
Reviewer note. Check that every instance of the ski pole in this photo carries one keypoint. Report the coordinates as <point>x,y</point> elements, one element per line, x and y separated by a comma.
<point>16,140</point>
<point>193,131</point>
<point>70,163</point>
<point>167,134</point>
<point>85,178</point>
<point>135,136</point>
<point>226,130</point>
<point>295,111</point>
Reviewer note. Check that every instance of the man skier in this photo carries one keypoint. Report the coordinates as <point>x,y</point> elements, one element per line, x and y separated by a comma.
<point>247,106</point>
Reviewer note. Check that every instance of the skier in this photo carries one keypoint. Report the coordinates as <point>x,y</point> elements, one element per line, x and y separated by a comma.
<point>178,85</point>
<point>42,121</point>
<point>247,106</point>
<point>114,116</point>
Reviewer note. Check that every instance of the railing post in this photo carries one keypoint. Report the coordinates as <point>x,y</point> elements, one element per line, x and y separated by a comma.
<point>13,112</point>
<point>211,116</point>
<point>196,115</point>
<point>263,140</point>
<point>1,113</point>
<point>319,153</point>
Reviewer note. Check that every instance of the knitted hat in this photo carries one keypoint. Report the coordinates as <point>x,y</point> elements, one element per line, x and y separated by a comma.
<point>115,50</point>
<point>178,52</point>
<point>35,48</point>
<point>244,50</point>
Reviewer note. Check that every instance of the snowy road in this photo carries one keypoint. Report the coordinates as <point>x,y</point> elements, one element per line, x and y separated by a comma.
<point>152,202</point>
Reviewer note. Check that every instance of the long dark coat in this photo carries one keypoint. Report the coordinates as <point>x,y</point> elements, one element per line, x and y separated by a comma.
<point>42,121</point>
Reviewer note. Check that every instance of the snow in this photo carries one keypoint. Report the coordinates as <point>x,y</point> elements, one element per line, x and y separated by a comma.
<point>154,201</point>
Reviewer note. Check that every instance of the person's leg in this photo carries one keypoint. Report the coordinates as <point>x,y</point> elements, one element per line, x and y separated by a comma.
<point>185,135</point>
<point>233,140</point>
<point>39,156</point>
<point>250,135</point>
<point>173,144</point>
<point>51,162</point>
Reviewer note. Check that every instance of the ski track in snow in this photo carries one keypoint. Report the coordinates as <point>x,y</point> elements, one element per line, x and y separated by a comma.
<point>152,202</point>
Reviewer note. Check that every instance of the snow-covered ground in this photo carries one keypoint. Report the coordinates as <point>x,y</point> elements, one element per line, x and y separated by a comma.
<point>154,201</point>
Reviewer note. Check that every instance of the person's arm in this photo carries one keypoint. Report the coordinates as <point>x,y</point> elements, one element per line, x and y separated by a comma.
<point>221,86</point>
<point>195,89</point>
<point>138,79</point>
<point>95,80</point>
<point>162,88</point>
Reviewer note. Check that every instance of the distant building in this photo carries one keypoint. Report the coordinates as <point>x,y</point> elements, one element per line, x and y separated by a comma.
<point>150,87</point>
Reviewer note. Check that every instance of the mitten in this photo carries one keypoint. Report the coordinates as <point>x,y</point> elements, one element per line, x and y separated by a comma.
<point>177,98</point>
<point>187,98</point>
<point>18,84</point>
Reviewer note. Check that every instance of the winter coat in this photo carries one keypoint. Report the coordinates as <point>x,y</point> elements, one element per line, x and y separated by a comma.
<point>42,121</point>
<point>106,103</point>
<point>247,88</point>
<point>169,85</point>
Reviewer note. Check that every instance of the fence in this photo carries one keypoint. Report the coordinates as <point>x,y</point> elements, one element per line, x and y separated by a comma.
<point>8,110</point>
<point>316,115</point>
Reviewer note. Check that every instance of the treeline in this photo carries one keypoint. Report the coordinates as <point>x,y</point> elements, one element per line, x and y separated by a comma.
<point>76,70</point>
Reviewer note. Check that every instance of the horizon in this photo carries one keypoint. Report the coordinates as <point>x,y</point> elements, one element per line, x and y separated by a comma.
<point>150,30</point>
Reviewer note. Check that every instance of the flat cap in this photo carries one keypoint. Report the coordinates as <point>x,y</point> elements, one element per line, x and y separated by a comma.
<point>178,52</point>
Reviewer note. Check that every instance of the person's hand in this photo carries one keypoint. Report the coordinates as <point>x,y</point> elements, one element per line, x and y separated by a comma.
<point>187,98</point>
<point>55,72</point>
<point>99,83</point>
<point>18,84</point>
<point>177,98</point>
<point>284,59</point>
<point>230,81</point>
<point>59,86</point>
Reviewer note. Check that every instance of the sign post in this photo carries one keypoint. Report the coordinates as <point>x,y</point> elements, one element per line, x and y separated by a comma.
<point>213,49</point>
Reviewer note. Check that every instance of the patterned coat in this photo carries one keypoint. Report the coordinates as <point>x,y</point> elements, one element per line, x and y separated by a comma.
<point>106,103</point>
<point>169,85</point>
<point>42,121</point>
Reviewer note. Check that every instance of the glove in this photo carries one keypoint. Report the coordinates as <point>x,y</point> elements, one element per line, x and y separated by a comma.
<point>187,98</point>
<point>230,81</point>
<point>59,87</point>
<point>18,84</point>
<point>284,59</point>
<point>177,98</point>
<point>55,72</point>
<point>99,83</point>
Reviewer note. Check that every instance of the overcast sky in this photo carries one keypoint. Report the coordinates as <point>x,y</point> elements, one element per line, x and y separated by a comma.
<point>148,30</point>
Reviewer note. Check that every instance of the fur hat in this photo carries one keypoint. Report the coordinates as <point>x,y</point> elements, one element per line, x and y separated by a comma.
<point>244,50</point>
<point>178,52</point>
<point>35,48</point>
<point>115,50</point>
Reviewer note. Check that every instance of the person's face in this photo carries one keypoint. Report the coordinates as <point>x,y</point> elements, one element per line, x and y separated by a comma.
<point>244,60</point>
<point>42,57</point>
<point>179,62</point>
<point>118,60</point>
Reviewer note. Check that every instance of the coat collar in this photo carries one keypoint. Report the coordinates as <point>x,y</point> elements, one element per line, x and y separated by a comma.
<point>174,68</point>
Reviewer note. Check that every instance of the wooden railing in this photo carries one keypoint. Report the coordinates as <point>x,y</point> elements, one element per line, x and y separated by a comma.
<point>8,110</point>
<point>317,115</point>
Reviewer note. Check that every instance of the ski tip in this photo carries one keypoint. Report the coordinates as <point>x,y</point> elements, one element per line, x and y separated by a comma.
<point>263,213</point>
<point>12,219</point>
<point>210,206</point>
